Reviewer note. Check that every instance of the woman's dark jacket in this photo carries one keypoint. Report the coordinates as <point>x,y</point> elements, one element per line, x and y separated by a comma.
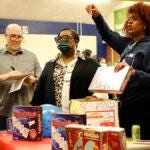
<point>138,88</point>
<point>82,75</point>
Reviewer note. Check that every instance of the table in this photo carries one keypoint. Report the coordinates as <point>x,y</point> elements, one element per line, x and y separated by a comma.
<point>7,143</point>
<point>132,146</point>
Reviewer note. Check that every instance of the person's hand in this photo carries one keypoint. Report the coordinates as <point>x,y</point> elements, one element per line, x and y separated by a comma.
<point>90,97</point>
<point>92,10</point>
<point>30,80</point>
<point>122,65</point>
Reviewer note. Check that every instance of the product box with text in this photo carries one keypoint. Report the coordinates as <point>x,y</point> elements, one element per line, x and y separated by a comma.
<point>74,135</point>
<point>96,139</point>
<point>100,112</point>
<point>27,123</point>
<point>59,121</point>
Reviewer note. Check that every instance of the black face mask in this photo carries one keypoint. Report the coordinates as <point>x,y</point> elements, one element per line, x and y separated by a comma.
<point>63,46</point>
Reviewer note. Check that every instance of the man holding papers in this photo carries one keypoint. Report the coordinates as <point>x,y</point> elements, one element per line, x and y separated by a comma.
<point>16,62</point>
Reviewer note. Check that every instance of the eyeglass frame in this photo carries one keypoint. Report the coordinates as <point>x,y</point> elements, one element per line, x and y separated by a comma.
<point>67,38</point>
<point>15,37</point>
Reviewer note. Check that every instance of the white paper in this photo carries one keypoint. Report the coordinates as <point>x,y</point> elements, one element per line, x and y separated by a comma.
<point>17,84</point>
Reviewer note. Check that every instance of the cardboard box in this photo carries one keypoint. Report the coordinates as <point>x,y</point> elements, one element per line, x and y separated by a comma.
<point>59,121</point>
<point>117,139</point>
<point>100,112</point>
<point>27,123</point>
<point>95,139</point>
<point>74,134</point>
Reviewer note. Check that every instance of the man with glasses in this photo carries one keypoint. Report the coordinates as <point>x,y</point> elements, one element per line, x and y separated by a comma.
<point>66,77</point>
<point>14,60</point>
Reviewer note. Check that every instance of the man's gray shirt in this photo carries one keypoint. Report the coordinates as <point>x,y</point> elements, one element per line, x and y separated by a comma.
<point>25,62</point>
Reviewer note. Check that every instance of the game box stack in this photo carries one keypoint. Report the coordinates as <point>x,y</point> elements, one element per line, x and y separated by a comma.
<point>27,123</point>
<point>95,137</point>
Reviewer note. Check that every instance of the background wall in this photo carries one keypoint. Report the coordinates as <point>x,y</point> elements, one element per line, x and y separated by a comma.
<point>45,18</point>
<point>40,37</point>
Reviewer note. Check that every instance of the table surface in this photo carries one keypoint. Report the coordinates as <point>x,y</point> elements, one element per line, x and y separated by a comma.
<point>6,138</point>
<point>45,144</point>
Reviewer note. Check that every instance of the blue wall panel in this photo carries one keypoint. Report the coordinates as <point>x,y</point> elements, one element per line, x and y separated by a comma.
<point>44,27</point>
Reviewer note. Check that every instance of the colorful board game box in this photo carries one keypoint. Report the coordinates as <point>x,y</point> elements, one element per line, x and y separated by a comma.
<point>27,123</point>
<point>59,121</point>
<point>9,125</point>
<point>95,138</point>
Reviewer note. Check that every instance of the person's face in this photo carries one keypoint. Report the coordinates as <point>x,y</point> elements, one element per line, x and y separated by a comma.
<point>103,61</point>
<point>14,38</point>
<point>67,36</point>
<point>135,26</point>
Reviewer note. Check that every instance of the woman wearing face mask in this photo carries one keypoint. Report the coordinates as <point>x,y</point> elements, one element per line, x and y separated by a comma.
<point>66,77</point>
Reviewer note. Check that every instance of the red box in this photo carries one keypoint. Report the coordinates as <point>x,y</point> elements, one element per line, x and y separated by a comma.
<point>95,139</point>
<point>117,139</point>
<point>74,135</point>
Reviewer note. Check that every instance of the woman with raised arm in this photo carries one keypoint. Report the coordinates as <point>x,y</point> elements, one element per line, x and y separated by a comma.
<point>134,49</point>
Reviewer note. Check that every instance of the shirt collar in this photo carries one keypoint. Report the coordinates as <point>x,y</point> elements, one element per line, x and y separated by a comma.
<point>6,51</point>
<point>81,56</point>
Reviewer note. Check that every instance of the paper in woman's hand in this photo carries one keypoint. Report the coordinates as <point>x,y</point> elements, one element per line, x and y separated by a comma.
<point>106,80</point>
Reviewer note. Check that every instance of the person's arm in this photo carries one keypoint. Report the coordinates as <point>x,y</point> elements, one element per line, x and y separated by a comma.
<point>5,76</point>
<point>113,39</point>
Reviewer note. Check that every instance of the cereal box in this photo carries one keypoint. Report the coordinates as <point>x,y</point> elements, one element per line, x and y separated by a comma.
<point>59,121</point>
<point>27,123</point>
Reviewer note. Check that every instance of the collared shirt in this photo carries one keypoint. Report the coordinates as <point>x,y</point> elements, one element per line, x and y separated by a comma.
<point>62,77</point>
<point>25,62</point>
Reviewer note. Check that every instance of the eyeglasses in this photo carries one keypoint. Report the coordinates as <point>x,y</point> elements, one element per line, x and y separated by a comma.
<point>15,37</point>
<point>63,38</point>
